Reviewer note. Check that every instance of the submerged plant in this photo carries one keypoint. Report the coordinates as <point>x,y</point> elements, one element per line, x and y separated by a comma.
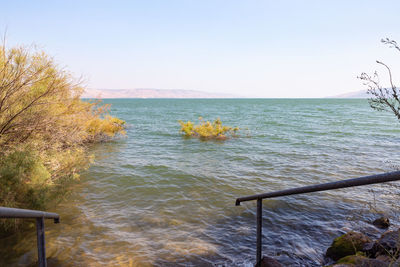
<point>207,129</point>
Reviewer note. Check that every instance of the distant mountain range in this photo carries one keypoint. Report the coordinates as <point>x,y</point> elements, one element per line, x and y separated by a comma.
<point>356,94</point>
<point>180,93</point>
<point>151,93</point>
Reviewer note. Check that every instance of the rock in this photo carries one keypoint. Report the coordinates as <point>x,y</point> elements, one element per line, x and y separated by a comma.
<point>370,249</point>
<point>347,244</point>
<point>384,258</point>
<point>360,261</point>
<point>382,222</point>
<point>269,262</point>
<point>388,244</point>
<point>396,263</point>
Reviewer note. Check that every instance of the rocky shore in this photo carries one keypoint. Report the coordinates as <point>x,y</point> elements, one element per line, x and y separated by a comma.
<point>358,249</point>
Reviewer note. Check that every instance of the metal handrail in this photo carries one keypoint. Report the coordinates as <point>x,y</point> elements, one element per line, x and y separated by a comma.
<point>39,216</point>
<point>366,180</point>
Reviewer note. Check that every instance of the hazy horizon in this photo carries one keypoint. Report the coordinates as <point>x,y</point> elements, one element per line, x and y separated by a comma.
<point>255,49</point>
<point>99,93</point>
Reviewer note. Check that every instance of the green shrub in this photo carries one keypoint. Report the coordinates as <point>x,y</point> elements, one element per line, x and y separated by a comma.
<point>24,179</point>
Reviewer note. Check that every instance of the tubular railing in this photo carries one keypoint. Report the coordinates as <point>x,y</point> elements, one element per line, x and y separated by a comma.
<point>39,216</point>
<point>373,179</point>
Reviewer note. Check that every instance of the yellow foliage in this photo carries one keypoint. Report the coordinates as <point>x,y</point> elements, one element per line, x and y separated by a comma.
<point>45,128</point>
<point>40,101</point>
<point>207,130</point>
<point>100,128</point>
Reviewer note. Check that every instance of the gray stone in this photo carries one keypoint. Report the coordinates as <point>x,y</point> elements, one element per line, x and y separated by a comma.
<point>382,222</point>
<point>388,244</point>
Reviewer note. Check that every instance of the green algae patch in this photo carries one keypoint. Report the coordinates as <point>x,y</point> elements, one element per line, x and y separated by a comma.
<point>347,244</point>
<point>361,260</point>
<point>353,259</point>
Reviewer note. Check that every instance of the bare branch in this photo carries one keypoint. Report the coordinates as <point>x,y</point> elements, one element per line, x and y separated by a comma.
<point>383,98</point>
<point>391,43</point>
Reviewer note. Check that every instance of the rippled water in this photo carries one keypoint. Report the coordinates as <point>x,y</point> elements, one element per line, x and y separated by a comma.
<point>155,198</point>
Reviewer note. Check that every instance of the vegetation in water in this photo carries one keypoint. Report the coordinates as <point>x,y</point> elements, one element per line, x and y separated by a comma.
<point>207,129</point>
<point>45,129</point>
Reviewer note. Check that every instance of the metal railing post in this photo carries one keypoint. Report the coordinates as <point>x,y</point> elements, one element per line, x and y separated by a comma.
<point>40,216</point>
<point>259,231</point>
<point>41,244</point>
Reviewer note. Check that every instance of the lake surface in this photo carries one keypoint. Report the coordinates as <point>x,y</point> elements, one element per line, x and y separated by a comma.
<point>155,198</point>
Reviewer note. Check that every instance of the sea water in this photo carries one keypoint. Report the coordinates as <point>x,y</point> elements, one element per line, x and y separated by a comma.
<point>155,198</point>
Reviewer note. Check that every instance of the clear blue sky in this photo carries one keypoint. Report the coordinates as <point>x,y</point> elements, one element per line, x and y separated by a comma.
<point>249,48</point>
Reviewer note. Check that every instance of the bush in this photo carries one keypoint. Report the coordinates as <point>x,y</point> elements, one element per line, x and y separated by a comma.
<point>45,129</point>
<point>208,130</point>
<point>104,128</point>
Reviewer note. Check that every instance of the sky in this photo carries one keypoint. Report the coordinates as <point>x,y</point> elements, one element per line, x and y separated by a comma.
<point>248,48</point>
